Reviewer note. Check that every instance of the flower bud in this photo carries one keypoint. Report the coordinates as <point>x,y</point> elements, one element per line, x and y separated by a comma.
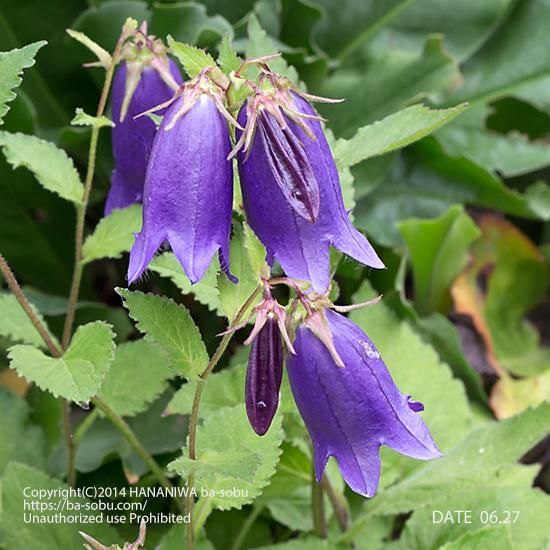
<point>263,376</point>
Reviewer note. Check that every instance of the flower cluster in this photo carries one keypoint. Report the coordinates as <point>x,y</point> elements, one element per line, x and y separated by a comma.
<point>293,201</point>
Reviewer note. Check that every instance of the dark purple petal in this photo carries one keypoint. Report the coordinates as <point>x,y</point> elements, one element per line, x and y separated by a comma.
<point>351,411</point>
<point>133,138</point>
<point>188,193</point>
<point>301,247</point>
<point>263,377</point>
<point>290,167</point>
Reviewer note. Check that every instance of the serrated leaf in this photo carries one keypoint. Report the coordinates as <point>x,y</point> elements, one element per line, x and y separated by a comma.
<point>205,291</point>
<point>51,166</point>
<point>84,119</point>
<point>228,431</point>
<point>233,296</point>
<point>77,375</point>
<point>113,235</point>
<point>256,251</point>
<point>438,252</point>
<point>15,324</point>
<point>393,132</point>
<point>51,533</point>
<point>171,326</point>
<point>138,375</point>
<point>22,441</point>
<point>224,389</point>
<point>228,59</point>
<point>470,465</point>
<point>193,59</point>
<point>12,64</point>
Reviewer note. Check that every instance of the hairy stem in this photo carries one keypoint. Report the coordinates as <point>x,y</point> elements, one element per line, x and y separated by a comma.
<point>318,507</point>
<point>81,208</point>
<point>194,419</point>
<point>122,426</point>
<point>17,291</point>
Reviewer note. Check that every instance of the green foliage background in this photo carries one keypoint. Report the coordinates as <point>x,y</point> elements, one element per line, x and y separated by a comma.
<point>442,146</point>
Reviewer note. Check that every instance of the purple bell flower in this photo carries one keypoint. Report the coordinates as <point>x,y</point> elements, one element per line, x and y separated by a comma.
<point>291,189</point>
<point>133,137</point>
<point>188,193</point>
<point>263,376</point>
<point>350,411</point>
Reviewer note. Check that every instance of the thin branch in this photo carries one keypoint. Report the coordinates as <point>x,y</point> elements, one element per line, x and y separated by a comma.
<point>338,503</point>
<point>17,291</point>
<point>194,419</point>
<point>81,208</point>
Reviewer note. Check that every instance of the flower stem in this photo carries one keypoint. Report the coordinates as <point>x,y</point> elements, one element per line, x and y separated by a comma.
<point>194,419</point>
<point>338,503</point>
<point>318,507</point>
<point>123,427</point>
<point>81,208</point>
<point>237,543</point>
<point>17,291</point>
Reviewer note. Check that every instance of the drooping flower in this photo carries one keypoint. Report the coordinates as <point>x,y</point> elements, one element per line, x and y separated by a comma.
<point>351,411</point>
<point>147,77</point>
<point>291,189</point>
<point>188,193</point>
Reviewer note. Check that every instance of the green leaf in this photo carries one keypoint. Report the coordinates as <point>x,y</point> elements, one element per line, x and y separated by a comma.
<point>51,166</point>
<point>470,466</point>
<point>50,534</point>
<point>171,326</point>
<point>255,251</point>
<point>224,389</point>
<point>228,59</point>
<point>487,537</point>
<point>113,235</point>
<point>510,396</point>
<point>260,44</point>
<point>518,48</point>
<point>391,133</point>
<point>417,371</point>
<point>424,183</point>
<point>15,324</point>
<point>205,290</point>
<point>189,22</point>
<point>232,296</point>
<point>83,119</point>
<point>22,441</point>
<point>103,443</point>
<point>348,24</point>
<point>227,433</point>
<point>138,375</point>
<point>510,155</point>
<point>77,375</point>
<point>502,504</point>
<point>12,64</point>
<point>193,59</point>
<point>438,252</point>
<point>465,28</point>
<point>388,82</point>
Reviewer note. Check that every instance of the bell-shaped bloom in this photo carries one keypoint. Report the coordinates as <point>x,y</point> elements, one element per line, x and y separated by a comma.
<point>350,411</point>
<point>133,137</point>
<point>263,376</point>
<point>188,193</point>
<point>291,191</point>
